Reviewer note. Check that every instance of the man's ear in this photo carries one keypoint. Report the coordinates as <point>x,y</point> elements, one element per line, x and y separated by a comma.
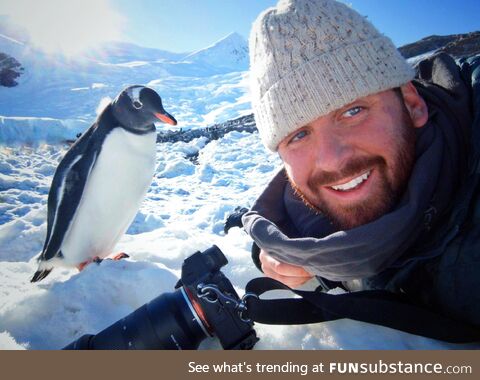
<point>416,106</point>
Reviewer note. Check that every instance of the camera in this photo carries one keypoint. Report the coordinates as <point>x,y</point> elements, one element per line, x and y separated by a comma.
<point>204,304</point>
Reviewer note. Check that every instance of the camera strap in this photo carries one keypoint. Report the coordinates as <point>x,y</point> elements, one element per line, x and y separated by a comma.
<point>378,307</point>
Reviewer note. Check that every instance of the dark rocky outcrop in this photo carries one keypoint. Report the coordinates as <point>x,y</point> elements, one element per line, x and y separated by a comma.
<point>214,132</point>
<point>10,70</point>
<point>457,45</point>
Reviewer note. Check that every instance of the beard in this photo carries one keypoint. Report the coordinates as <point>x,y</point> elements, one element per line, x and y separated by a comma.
<point>392,181</point>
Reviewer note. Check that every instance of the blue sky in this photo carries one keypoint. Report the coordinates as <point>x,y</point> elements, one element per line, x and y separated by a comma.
<point>188,25</point>
<point>180,25</point>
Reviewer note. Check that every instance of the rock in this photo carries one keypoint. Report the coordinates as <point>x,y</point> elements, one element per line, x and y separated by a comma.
<point>214,132</point>
<point>457,45</point>
<point>10,70</point>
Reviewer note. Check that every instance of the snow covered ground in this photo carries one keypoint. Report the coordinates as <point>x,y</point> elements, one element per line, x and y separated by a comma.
<point>183,212</point>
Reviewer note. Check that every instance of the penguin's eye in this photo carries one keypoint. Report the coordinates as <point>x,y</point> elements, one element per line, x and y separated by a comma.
<point>137,104</point>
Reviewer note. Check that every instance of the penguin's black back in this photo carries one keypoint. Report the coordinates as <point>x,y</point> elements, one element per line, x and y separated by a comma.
<point>88,146</point>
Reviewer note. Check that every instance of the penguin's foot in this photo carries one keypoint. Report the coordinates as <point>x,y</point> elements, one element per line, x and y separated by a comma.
<point>82,266</point>
<point>119,256</point>
<point>98,260</point>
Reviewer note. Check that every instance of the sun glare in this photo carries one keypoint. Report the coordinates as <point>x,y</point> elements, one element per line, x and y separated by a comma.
<point>67,27</point>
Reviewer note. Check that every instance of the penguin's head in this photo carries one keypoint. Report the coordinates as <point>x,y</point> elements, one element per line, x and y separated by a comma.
<point>138,107</point>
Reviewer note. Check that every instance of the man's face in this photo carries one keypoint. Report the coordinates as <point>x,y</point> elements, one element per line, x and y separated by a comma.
<point>354,163</point>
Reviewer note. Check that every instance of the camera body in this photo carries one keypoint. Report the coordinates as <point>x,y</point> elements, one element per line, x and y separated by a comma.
<point>203,304</point>
<point>221,316</point>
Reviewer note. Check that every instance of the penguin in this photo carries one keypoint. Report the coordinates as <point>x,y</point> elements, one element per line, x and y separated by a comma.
<point>100,183</point>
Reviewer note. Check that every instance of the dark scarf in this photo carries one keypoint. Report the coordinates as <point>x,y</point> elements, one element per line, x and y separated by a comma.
<point>283,226</point>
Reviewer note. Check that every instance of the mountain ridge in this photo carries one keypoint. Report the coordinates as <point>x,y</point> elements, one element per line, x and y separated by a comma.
<point>457,45</point>
<point>233,46</point>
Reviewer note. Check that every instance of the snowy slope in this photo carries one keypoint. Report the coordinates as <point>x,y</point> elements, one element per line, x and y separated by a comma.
<point>231,52</point>
<point>183,211</point>
<point>123,52</point>
<point>55,87</point>
<point>34,130</point>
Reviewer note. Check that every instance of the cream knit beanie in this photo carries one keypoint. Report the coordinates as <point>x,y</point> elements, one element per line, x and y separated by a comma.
<point>310,57</point>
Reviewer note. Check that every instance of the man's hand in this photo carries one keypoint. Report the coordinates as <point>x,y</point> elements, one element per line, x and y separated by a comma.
<point>291,275</point>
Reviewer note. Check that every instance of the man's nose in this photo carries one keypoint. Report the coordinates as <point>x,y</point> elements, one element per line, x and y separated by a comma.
<point>332,152</point>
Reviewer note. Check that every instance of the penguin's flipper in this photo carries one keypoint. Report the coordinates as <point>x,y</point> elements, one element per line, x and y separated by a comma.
<point>66,191</point>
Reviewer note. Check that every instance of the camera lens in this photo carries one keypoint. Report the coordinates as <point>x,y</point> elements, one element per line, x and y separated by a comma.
<point>168,322</point>
<point>175,321</point>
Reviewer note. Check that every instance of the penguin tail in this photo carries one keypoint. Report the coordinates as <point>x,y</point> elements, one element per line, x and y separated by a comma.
<point>40,275</point>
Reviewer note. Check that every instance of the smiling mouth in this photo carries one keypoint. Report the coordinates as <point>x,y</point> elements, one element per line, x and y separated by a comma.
<point>353,183</point>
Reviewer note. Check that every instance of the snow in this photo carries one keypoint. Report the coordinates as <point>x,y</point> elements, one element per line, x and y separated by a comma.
<point>54,87</point>
<point>229,52</point>
<point>414,60</point>
<point>34,130</point>
<point>183,211</point>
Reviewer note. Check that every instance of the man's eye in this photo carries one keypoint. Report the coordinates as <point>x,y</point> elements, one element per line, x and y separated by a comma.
<point>352,111</point>
<point>298,136</point>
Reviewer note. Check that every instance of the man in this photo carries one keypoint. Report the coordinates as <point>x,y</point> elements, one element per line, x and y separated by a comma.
<point>378,189</point>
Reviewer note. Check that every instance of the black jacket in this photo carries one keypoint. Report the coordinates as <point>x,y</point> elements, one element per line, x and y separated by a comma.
<point>441,268</point>
<point>444,272</point>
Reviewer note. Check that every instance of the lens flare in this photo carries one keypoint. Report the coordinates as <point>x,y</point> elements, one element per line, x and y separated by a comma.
<point>66,27</point>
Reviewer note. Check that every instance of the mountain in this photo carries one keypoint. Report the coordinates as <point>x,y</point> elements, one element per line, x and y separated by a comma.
<point>457,45</point>
<point>230,52</point>
<point>199,88</point>
<point>123,52</point>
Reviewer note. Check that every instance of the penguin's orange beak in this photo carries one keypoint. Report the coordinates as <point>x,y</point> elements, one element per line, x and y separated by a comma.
<point>166,118</point>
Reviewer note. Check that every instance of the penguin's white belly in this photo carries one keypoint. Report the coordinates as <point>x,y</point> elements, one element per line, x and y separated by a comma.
<point>113,192</point>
